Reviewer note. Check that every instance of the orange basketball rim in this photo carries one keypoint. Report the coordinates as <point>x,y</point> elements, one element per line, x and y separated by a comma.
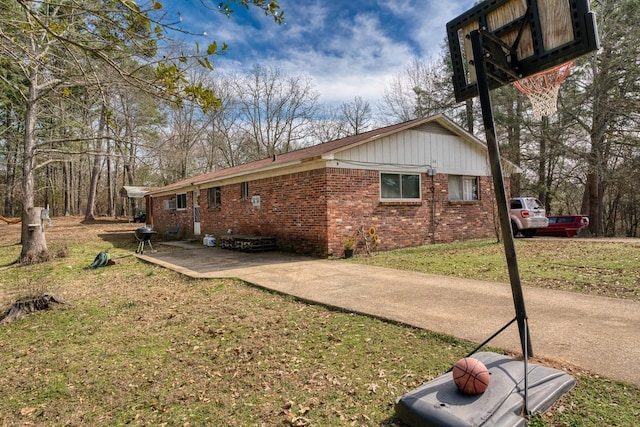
<point>542,89</point>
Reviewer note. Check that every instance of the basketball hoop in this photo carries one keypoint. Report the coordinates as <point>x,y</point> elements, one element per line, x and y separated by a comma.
<point>542,89</point>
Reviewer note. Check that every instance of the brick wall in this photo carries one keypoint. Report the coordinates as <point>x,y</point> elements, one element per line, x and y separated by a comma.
<point>292,209</point>
<point>465,220</point>
<point>164,219</point>
<point>354,202</point>
<point>312,212</point>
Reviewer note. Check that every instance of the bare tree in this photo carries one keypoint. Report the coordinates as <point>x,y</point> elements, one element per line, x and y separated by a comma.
<point>276,110</point>
<point>97,162</point>
<point>422,89</point>
<point>225,144</point>
<point>328,125</point>
<point>357,115</point>
<point>58,46</point>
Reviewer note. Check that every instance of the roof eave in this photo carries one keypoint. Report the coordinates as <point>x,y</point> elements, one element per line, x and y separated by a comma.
<point>197,183</point>
<point>276,166</point>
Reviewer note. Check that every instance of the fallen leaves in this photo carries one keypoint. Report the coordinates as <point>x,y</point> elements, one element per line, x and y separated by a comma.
<point>295,418</point>
<point>27,411</point>
<point>147,346</point>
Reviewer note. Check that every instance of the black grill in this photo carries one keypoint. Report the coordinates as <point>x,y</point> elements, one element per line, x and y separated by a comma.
<point>144,235</point>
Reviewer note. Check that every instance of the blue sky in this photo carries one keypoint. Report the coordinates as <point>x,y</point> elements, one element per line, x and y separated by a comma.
<point>347,47</point>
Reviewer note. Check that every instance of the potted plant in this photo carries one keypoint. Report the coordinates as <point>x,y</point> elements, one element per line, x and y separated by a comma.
<point>349,243</point>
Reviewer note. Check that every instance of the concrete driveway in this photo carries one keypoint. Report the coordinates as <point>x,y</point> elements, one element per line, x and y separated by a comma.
<point>598,334</point>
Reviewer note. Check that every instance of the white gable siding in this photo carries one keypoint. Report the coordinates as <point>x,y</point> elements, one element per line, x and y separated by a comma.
<point>429,146</point>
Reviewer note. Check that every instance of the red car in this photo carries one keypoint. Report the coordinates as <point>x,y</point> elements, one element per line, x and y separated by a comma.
<point>564,225</point>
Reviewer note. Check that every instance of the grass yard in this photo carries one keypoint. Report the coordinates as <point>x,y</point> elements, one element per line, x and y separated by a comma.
<point>598,267</point>
<point>142,345</point>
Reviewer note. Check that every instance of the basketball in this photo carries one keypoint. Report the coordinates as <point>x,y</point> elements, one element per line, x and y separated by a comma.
<point>471,376</point>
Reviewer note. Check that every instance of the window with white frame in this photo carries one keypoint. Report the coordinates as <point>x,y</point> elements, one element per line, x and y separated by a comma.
<point>181,201</point>
<point>244,190</point>
<point>400,186</point>
<point>213,197</point>
<point>463,188</point>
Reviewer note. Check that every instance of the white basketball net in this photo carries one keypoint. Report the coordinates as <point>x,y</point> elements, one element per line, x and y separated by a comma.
<point>542,89</point>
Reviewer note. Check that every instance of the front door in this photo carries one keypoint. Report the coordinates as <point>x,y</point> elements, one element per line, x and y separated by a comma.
<point>196,214</point>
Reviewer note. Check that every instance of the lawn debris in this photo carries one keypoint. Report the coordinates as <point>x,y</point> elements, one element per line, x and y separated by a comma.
<point>23,307</point>
<point>101,260</point>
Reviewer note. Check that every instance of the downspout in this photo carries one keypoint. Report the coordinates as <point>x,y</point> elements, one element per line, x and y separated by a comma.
<point>432,173</point>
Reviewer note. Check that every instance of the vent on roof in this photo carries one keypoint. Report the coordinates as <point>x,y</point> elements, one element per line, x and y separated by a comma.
<point>433,128</point>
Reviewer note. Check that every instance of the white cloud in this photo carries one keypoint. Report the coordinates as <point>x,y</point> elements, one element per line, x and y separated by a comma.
<point>355,57</point>
<point>348,49</point>
<point>306,20</point>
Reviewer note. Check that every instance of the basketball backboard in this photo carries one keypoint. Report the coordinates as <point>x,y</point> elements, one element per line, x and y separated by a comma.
<point>520,38</point>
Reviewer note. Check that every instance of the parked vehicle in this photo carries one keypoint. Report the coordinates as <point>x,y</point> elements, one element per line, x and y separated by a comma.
<point>527,216</point>
<point>564,225</point>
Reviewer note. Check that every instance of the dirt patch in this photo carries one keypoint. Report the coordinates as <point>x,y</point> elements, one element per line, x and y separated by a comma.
<point>70,228</point>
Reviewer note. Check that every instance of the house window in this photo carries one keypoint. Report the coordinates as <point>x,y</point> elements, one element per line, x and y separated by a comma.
<point>395,186</point>
<point>213,197</point>
<point>181,201</point>
<point>244,190</point>
<point>463,188</point>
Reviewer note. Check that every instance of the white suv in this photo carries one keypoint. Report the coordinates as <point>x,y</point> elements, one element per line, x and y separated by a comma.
<point>527,215</point>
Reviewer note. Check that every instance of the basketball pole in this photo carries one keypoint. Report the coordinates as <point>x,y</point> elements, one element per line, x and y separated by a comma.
<point>500,192</point>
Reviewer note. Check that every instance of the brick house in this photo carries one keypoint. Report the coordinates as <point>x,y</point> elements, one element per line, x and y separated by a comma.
<point>419,182</point>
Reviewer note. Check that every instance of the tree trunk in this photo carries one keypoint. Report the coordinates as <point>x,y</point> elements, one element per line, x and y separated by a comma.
<point>66,181</point>
<point>34,243</point>
<point>514,137</point>
<point>542,162</point>
<point>78,186</point>
<point>468,105</point>
<point>593,191</point>
<point>48,197</point>
<point>12,156</point>
<point>597,163</point>
<point>111,207</point>
<point>95,171</point>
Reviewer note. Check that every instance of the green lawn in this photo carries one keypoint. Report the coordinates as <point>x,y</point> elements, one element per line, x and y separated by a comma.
<point>608,268</point>
<point>142,345</point>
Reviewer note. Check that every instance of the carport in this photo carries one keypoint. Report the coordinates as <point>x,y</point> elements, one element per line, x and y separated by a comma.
<point>132,207</point>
